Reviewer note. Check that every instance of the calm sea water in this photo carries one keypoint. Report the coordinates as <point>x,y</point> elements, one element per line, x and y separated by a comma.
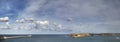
<point>64,38</point>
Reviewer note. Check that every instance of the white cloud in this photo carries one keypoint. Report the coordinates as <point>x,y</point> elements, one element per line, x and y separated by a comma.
<point>4,19</point>
<point>43,22</point>
<point>31,8</point>
<point>90,9</point>
<point>99,27</point>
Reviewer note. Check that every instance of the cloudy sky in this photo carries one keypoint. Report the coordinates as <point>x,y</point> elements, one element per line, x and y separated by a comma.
<point>88,16</point>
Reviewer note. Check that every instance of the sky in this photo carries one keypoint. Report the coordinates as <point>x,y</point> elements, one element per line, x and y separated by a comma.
<point>87,16</point>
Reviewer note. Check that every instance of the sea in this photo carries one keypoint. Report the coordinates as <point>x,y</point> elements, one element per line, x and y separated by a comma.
<point>63,38</point>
